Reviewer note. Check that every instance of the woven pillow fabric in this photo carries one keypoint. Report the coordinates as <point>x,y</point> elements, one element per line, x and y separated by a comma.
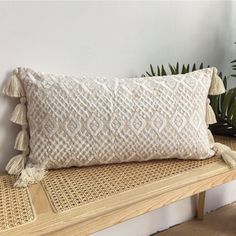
<point>77,121</point>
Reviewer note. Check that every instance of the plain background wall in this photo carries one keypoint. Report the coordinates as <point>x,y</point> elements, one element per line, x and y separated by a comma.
<point>116,39</point>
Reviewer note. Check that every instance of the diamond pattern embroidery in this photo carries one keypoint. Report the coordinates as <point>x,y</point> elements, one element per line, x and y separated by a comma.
<point>137,123</point>
<point>178,121</point>
<point>73,127</point>
<point>78,121</point>
<point>158,122</point>
<point>50,127</point>
<point>94,125</point>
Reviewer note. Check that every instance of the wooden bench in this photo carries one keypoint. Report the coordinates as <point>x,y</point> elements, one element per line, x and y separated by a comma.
<point>115,209</point>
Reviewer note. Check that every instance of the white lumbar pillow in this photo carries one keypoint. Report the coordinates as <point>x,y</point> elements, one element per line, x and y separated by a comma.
<point>76,121</point>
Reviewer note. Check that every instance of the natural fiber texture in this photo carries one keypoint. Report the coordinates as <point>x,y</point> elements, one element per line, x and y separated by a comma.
<point>227,140</point>
<point>22,140</point>
<point>210,115</point>
<point>69,188</point>
<point>19,115</point>
<point>217,86</point>
<point>13,87</point>
<point>29,175</point>
<point>74,187</point>
<point>16,164</point>
<point>225,147</point>
<point>15,204</point>
<point>76,121</point>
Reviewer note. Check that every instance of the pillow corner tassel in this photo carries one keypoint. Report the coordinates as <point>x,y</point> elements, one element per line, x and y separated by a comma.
<point>29,175</point>
<point>230,158</point>
<point>13,86</point>
<point>210,114</point>
<point>217,86</point>
<point>19,114</point>
<point>16,164</point>
<point>25,175</point>
<point>22,140</point>
<point>227,154</point>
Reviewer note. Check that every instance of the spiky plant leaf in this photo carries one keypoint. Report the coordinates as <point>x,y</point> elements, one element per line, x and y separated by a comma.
<point>177,68</point>
<point>183,69</point>
<point>158,71</point>
<point>172,69</point>
<point>163,72</point>
<point>152,71</point>
<point>187,68</point>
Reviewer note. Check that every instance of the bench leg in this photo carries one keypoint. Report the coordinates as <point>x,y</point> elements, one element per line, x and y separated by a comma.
<point>201,204</point>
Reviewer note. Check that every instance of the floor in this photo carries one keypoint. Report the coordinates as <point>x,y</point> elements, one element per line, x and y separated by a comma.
<point>221,222</point>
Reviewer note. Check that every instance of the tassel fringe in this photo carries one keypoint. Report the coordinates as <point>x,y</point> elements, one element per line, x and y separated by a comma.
<point>211,138</point>
<point>217,86</point>
<point>16,164</point>
<point>28,176</point>
<point>22,140</point>
<point>13,87</point>
<point>228,155</point>
<point>210,115</point>
<point>19,115</point>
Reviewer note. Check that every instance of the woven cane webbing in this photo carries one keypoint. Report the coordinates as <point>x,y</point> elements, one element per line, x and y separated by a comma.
<point>69,188</point>
<point>15,204</point>
<point>228,140</point>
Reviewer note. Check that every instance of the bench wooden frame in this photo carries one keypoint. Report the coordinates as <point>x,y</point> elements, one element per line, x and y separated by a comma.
<point>99,215</point>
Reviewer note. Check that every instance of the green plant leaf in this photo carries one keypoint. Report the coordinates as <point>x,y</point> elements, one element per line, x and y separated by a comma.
<point>177,68</point>
<point>152,71</point>
<point>194,67</point>
<point>225,103</point>
<point>183,69</point>
<point>232,109</point>
<point>187,68</point>
<point>214,104</point>
<point>148,74</point>
<point>172,69</point>
<point>158,71</point>
<point>232,118</point>
<point>163,72</point>
<point>225,82</point>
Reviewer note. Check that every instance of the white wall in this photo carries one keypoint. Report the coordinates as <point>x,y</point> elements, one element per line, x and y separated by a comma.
<point>115,39</point>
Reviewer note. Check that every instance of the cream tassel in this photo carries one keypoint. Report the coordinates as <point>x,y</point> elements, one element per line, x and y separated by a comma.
<point>217,86</point>
<point>22,140</point>
<point>16,164</point>
<point>228,155</point>
<point>29,175</point>
<point>210,138</point>
<point>13,86</point>
<point>210,115</point>
<point>19,114</point>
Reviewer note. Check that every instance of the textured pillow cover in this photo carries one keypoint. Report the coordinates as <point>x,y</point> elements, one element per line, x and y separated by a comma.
<point>77,121</point>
